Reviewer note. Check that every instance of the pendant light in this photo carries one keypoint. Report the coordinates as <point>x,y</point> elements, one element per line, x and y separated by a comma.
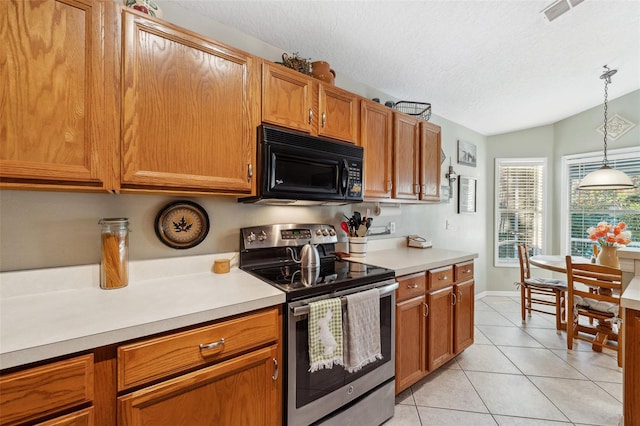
<point>606,178</point>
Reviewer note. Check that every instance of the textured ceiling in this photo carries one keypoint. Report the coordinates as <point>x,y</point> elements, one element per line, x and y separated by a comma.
<point>492,66</point>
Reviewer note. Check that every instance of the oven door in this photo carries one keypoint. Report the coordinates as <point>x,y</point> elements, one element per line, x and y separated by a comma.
<point>312,396</point>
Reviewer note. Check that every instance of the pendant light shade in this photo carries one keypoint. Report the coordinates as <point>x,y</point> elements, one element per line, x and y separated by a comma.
<point>606,178</point>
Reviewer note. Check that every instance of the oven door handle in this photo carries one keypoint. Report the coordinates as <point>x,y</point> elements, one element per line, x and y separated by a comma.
<point>303,310</point>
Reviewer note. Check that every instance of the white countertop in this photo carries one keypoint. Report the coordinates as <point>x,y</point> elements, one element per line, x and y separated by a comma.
<point>394,254</point>
<point>46,313</point>
<point>51,312</point>
<point>630,263</point>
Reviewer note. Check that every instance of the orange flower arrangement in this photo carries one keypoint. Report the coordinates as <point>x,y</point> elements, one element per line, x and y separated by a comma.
<point>607,235</point>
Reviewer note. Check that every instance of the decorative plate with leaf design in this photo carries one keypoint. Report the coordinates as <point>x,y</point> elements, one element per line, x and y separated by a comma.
<point>182,224</point>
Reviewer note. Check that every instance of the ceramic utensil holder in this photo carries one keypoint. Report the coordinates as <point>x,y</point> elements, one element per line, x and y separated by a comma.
<point>358,246</point>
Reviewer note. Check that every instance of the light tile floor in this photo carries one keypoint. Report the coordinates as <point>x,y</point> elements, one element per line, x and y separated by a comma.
<point>516,374</point>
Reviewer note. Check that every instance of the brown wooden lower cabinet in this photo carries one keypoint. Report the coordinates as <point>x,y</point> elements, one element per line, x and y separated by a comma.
<point>439,327</point>
<point>225,372</point>
<point>45,390</point>
<point>241,391</point>
<point>434,320</point>
<point>631,397</point>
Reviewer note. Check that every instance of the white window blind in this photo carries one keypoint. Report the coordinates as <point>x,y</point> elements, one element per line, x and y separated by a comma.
<point>520,208</point>
<point>587,208</point>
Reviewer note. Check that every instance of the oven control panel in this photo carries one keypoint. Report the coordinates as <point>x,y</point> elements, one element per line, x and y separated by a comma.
<point>282,235</point>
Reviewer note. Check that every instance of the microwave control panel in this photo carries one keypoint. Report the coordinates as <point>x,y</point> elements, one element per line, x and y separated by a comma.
<point>354,185</point>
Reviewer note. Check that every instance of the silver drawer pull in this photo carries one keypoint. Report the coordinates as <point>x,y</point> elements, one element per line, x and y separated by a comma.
<point>415,285</point>
<point>466,271</point>
<point>276,369</point>
<point>442,278</point>
<point>212,345</point>
<point>426,310</point>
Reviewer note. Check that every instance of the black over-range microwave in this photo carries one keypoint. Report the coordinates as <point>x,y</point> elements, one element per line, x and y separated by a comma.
<point>296,168</point>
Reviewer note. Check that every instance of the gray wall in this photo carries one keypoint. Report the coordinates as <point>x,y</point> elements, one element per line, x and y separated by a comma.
<point>575,134</point>
<point>52,229</point>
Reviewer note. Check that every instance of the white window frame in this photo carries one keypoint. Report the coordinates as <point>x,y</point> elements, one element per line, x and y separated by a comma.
<point>546,231</point>
<point>612,154</point>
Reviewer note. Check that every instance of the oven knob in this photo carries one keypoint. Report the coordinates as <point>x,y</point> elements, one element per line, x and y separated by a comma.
<point>350,390</point>
<point>262,236</point>
<point>318,232</point>
<point>251,237</point>
<point>332,232</point>
<point>325,232</point>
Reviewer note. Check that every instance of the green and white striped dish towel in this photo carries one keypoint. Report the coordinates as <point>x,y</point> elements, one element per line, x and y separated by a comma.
<point>325,334</point>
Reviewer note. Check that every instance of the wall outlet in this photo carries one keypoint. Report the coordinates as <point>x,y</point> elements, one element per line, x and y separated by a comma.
<point>392,227</point>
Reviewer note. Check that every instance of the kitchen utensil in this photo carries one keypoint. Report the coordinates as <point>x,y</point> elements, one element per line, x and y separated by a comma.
<point>362,230</point>
<point>357,218</point>
<point>344,227</point>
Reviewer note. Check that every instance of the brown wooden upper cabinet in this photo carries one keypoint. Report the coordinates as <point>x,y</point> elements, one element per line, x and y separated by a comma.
<point>300,102</point>
<point>430,152</point>
<point>376,136</point>
<point>406,157</point>
<point>190,110</point>
<point>52,89</point>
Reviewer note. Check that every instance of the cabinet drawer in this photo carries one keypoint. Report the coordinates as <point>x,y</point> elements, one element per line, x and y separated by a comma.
<point>155,358</point>
<point>440,278</point>
<point>78,418</point>
<point>463,271</point>
<point>411,286</point>
<point>47,389</point>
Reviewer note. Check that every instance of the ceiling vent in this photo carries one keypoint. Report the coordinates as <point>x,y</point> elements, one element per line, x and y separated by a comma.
<point>559,7</point>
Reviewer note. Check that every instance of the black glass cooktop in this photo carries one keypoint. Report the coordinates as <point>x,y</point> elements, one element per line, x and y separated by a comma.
<point>333,275</point>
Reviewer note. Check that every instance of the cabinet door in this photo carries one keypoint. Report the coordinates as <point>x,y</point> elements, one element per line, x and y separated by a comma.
<point>376,135</point>
<point>429,162</point>
<point>241,391</point>
<point>52,94</point>
<point>188,110</point>
<point>338,113</point>
<point>439,327</point>
<point>287,97</point>
<point>406,151</point>
<point>410,342</point>
<point>464,309</point>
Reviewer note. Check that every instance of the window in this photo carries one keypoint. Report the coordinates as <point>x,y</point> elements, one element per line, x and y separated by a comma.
<point>520,210</point>
<point>587,208</point>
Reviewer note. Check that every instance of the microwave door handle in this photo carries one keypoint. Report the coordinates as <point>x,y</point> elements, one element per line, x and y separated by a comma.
<point>344,177</point>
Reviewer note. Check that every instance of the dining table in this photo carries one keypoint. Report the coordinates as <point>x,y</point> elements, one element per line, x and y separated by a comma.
<point>555,262</point>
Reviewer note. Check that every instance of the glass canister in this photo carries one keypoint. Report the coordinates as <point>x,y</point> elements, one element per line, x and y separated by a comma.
<point>114,264</point>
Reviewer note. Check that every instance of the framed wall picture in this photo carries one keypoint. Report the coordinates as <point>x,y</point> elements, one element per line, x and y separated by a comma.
<point>467,153</point>
<point>467,194</point>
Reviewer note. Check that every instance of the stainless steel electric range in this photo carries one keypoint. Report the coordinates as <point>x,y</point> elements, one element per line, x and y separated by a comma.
<point>329,396</point>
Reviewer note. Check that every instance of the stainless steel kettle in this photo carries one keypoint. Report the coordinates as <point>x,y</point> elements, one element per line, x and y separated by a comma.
<point>309,256</point>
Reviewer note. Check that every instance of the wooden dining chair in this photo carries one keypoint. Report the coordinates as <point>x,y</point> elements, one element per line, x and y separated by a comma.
<point>594,293</point>
<point>540,291</point>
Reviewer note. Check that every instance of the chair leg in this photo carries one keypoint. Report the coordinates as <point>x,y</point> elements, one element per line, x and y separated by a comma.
<point>529,307</point>
<point>558,310</point>
<point>620,353</point>
<point>571,327</point>
<point>523,306</point>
